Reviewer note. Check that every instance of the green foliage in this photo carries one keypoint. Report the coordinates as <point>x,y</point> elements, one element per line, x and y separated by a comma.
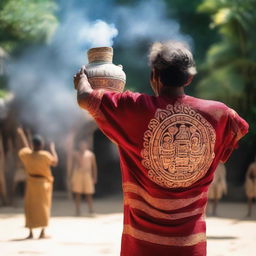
<point>193,23</point>
<point>23,22</point>
<point>3,93</point>
<point>230,67</point>
<point>224,85</point>
<point>125,2</point>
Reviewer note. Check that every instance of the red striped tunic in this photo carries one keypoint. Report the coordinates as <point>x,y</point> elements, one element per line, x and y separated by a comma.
<point>169,149</point>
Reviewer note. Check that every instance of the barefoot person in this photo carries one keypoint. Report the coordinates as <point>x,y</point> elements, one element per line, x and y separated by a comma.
<point>218,187</point>
<point>250,186</point>
<point>170,145</point>
<point>84,176</point>
<point>38,195</point>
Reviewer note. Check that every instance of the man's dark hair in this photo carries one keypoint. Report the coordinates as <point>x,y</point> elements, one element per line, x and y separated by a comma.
<point>173,61</point>
<point>37,142</point>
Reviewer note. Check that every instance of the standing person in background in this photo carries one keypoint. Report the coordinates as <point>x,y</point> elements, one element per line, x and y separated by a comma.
<point>218,187</point>
<point>3,193</point>
<point>250,186</point>
<point>38,195</point>
<point>10,168</point>
<point>83,176</point>
<point>69,146</point>
<point>170,145</point>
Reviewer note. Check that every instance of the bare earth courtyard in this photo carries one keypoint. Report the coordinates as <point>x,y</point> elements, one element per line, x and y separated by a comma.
<point>228,235</point>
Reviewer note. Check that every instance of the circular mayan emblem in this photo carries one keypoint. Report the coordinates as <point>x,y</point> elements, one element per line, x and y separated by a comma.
<point>178,146</point>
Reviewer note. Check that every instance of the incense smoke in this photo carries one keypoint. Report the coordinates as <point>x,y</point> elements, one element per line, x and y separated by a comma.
<point>98,34</point>
<point>147,21</point>
<point>41,78</point>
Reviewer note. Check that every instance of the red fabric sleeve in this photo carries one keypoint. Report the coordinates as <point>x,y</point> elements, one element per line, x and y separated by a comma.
<point>236,128</point>
<point>114,113</point>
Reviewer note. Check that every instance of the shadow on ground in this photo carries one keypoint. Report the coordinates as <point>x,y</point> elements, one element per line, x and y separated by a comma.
<point>64,207</point>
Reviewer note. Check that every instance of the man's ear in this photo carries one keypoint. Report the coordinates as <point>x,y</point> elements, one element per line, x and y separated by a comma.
<point>155,75</point>
<point>153,80</point>
<point>189,80</point>
<point>156,83</point>
<point>152,75</point>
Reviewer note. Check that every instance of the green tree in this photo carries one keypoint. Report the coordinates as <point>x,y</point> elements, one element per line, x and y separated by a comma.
<point>193,23</point>
<point>230,67</point>
<point>25,22</point>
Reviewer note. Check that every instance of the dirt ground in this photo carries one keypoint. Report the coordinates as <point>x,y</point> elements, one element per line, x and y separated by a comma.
<point>228,235</point>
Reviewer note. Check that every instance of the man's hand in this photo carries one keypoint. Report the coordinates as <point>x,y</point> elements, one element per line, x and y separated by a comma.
<point>82,86</point>
<point>23,137</point>
<point>54,154</point>
<point>80,78</point>
<point>20,131</point>
<point>52,146</point>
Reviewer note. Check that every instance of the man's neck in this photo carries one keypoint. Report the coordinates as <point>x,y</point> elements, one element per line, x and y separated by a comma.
<point>172,91</point>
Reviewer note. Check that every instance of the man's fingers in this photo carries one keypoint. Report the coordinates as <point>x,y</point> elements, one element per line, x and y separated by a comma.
<point>79,75</point>
<point>83,70</point>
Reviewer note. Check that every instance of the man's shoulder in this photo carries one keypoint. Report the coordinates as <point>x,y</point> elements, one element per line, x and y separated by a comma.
<point>209,103</point>
<point>212,107</point>
<point>126,95</point>
<point>127,101</point>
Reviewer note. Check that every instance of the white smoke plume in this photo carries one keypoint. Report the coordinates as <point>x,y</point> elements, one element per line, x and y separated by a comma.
<point>98,34</point>
<point>147,21</point>
<point>41,78</point>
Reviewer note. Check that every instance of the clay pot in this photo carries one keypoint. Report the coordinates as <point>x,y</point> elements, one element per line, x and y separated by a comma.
<point>102,73</point>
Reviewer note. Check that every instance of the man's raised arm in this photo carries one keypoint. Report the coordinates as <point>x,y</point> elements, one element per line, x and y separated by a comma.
<point>55,159</point>
<point>83,87</point>
<point>23,137</point>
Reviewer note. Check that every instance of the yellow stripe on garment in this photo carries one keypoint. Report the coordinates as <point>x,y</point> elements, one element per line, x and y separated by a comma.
<point>139,205</point>
<point>164,240</point>
<point>162,204</point>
